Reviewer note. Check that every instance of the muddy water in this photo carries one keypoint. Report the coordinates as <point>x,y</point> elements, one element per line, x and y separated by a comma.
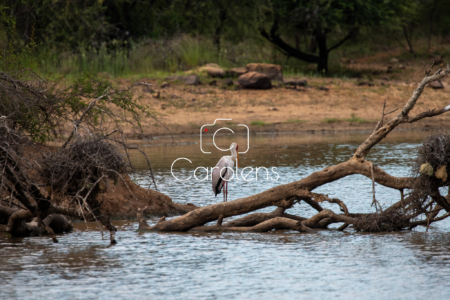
<point>284,265</point>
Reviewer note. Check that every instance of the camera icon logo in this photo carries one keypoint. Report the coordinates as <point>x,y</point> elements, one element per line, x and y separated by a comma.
<point>204,128</point>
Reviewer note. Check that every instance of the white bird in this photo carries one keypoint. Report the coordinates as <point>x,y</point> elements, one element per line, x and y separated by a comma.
<point>223,172</point>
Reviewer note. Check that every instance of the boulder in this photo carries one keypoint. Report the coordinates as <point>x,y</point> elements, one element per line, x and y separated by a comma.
<point>191,80</point>
<point>302,82</point>
<point>255,80</point>
<point>439,59</point>
<point>175,78</point>
<point>290,82</point>
<point>227,82</point>
<point>213,71</point>
<point>362,83</point>
<point>437,85</point>
<point>394,60</point>
<point>293,83</point>
<point>274,72</point>
<point>236,72</point>
<point>212,65</point>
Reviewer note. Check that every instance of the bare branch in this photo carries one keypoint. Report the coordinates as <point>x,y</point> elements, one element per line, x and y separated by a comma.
<point>381,133</point>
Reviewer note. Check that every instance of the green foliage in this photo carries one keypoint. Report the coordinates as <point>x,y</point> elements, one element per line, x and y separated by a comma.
<point>62,23</point>
<point>13,57</point>
<point>88,86</point>
<point>44,110</point>
<point>39,108</point>
<point>326,16</point>
<point>318,20</point>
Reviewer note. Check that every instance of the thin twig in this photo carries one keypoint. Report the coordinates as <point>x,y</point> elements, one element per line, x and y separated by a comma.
<point>374,201</point>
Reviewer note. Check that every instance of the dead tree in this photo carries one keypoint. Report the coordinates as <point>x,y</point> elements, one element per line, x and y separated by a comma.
<point>416,209</point>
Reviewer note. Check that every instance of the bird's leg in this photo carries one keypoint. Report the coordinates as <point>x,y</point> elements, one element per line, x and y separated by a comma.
<point>223,190</point>
<point>226,191</point>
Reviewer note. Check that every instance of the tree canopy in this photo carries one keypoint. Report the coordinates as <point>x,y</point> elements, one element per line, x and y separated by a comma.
<point>325,20</point>
<point>304,29</point>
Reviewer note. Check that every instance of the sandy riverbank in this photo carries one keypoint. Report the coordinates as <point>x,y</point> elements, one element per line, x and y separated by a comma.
<point>344,106</point>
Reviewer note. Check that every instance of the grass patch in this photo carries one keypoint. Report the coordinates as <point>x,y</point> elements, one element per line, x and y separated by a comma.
<point>295,121</point>
<point>354,119</point>
<point>331,120</point>
<point>233,103</point>
<point>259,123</point>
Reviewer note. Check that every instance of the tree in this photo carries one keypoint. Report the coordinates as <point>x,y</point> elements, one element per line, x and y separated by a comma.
<point>324,20</point>
<point>66,24</point>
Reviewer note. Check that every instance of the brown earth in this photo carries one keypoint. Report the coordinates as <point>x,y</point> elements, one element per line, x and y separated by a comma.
<point>344,105</point>
<point>122,201</point>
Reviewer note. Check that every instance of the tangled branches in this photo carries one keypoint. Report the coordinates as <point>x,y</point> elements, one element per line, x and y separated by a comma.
<point>83,163</point>
<point>28,104</point>
<point>390,220</point>
<point>430,171</point>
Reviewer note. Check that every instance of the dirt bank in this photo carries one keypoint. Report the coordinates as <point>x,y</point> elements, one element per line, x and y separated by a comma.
<point>121,201</point>
<point>325,104</point>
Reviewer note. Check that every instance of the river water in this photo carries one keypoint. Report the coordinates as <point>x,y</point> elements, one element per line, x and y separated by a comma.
<point>275,265</point>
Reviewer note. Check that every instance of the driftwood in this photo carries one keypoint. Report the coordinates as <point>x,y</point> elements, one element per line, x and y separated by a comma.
<point>402,215</point>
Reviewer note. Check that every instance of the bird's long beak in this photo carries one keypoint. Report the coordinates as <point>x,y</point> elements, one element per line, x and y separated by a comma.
<point>237,159</point>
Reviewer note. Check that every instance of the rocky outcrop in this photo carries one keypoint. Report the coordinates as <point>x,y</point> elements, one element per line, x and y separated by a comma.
<point>255,80</point>
<point>191,79</point>
<point>274,72</point>
<point>213,70</point>
<point>437,85</point>
<point>227,82</point>
<point>236,72</point>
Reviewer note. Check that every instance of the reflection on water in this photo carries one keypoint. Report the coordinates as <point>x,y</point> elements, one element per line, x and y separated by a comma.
<point>240,265</point>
